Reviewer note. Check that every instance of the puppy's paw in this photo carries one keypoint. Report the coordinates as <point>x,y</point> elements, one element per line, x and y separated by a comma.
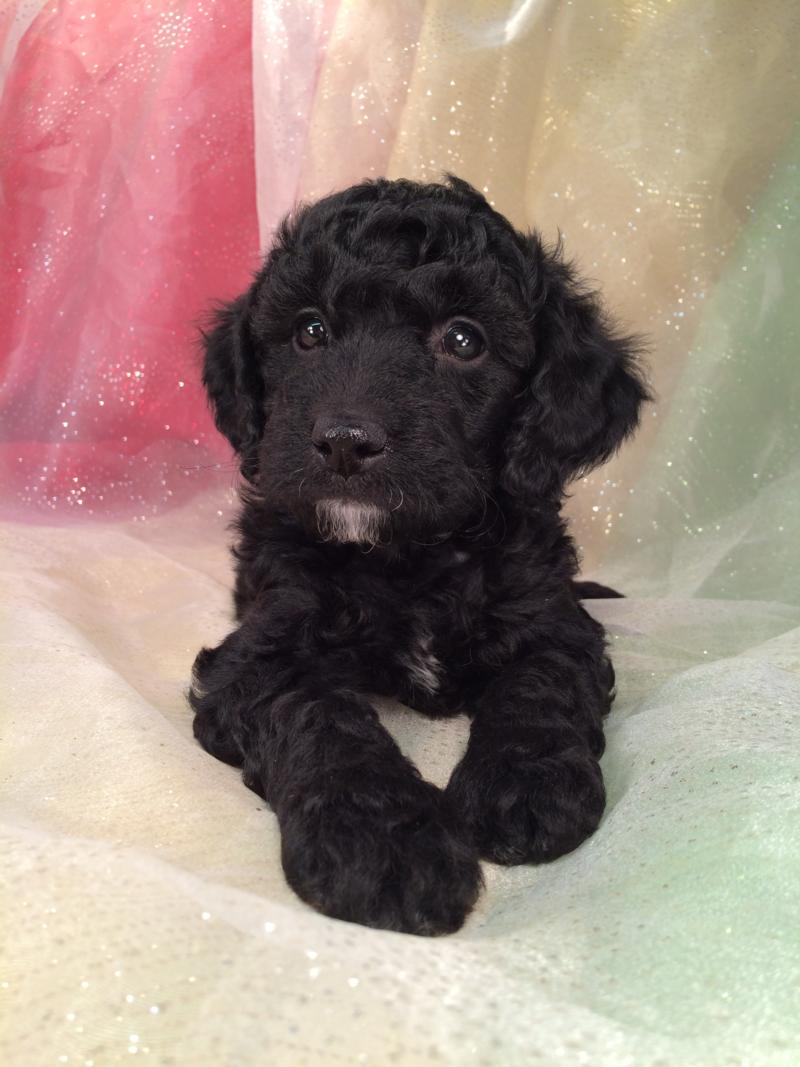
<point>384,854</point>
<point>526,809</point>
<point>214,713</point>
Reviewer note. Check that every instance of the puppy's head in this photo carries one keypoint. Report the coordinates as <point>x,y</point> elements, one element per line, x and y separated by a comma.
<point>405,355</point>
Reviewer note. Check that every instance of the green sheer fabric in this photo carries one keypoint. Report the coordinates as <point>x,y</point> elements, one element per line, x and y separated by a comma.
<point>716,512</point>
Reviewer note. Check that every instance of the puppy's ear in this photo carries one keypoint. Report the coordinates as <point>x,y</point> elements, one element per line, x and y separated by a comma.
<point>234,385</point>
<point>584,389</point>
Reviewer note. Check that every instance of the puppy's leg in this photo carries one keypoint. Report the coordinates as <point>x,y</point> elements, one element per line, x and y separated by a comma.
<point>364,837</point>
<point>529,784</point>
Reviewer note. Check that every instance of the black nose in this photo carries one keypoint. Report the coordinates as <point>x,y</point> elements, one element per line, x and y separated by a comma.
<point>348,445</point>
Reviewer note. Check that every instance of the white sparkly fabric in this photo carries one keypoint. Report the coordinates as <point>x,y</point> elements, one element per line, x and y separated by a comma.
<point>146,911</point>
<point>145,151</point>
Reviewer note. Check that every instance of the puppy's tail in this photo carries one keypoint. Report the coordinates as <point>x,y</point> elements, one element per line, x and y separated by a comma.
<point>595,591</point>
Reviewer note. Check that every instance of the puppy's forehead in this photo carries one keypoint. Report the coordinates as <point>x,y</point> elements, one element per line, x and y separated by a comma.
<point>397,250</point>
<point>406,234</point>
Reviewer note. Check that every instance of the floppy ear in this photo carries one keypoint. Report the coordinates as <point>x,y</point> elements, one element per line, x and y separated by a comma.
<point>584,389</point>
<point>234,385</point>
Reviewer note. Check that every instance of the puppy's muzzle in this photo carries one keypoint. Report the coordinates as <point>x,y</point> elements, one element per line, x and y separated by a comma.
<point>347,445</point>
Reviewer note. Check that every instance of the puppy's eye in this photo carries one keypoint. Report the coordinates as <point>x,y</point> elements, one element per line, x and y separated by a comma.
<point>311,332</point>
<point>463,341</point>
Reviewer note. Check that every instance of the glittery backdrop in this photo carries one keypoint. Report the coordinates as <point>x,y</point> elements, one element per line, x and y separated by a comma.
<point>127,168</point>
<point>146,152</point>
<point>149,149</point>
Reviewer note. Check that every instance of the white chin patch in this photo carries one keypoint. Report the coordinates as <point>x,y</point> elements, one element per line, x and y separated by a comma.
<point>344,521</point>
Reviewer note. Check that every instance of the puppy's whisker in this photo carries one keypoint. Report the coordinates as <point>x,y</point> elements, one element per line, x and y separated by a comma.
<point>498,512</point>
<point>227,465</point>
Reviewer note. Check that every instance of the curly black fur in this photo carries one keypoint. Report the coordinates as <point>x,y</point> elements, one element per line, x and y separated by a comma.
<point>440,573</point>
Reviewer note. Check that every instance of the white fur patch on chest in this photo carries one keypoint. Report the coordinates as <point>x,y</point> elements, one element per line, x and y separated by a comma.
<point>423,666</point>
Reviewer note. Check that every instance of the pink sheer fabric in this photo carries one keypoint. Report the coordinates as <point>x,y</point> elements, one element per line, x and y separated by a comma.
<point>127,171</point>
<point>290,39</point>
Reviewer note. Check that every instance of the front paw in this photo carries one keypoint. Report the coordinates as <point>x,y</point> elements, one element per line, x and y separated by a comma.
<point>527,809</point>
<point>214,710</point>
<point>389,855</point>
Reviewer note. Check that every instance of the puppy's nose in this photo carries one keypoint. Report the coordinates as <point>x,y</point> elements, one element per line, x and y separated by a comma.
<point>348,445</point>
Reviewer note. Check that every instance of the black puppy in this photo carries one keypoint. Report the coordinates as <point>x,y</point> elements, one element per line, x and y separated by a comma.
<point>410,384</point>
